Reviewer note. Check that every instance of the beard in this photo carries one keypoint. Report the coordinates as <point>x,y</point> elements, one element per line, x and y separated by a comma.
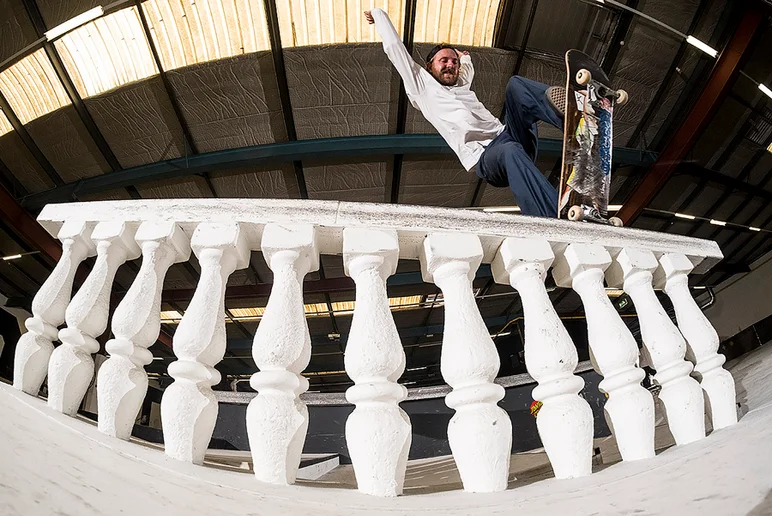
<point>446,77</point>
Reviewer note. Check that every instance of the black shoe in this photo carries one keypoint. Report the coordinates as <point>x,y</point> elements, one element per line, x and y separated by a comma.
<point>556,97</point>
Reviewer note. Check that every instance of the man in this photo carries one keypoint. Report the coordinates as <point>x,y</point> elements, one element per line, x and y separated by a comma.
<point>503,155</point>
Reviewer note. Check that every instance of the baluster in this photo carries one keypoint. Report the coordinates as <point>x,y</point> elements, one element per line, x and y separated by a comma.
<point>681,394</point>
<point>71,368</point>
<point>378,431</point>
<point>33,351</point>
<point>630,407</point>
<point>277,419</point>
<point>188,406</point>
<point>565,420</point>
<point>480,432</point>
<point>701,340</point>
<point>136,323</point>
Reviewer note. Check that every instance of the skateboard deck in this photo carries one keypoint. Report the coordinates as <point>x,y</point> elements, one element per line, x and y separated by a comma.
<point>585,177</point>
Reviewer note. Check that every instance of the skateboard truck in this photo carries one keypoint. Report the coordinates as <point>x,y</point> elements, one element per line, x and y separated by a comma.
<point>584,77</point>
<point>592,214</point>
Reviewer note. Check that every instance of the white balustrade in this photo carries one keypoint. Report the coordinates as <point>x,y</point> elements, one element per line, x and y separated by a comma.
<point>701,340</point>
<point>480,432</point>
<point>33,351</point>
<point>451,245</point>
<point>277,420</point>
<point>565,419</point>
<point>378,431</point>
<point>136,323</point>
<point>188,407</point>
<point>613,351</point>
<point>71,367</point>
<point>681,394</point>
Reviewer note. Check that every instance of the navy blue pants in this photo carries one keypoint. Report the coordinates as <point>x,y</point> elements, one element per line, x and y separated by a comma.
<point>509,158</point>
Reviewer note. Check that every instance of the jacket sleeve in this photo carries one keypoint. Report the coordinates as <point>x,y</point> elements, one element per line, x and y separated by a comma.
<point>466,72</point>
<point>408,69</point>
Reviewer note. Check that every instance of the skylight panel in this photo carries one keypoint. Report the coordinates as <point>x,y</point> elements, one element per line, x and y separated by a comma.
<point>32,87</point>
<point>5,125</point>
<point>107,53</point>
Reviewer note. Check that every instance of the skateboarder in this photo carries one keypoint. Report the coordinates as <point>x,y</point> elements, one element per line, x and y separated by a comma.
<point>501,154</point>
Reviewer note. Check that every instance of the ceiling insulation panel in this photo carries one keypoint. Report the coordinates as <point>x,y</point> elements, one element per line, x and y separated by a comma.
<point>63,139</point>
<point>355,182</point>
<point>19,160</point>
<point>175,188</point>
<point>342,90</point>
<point>230,103</point>
<point>17,29</point>
<point>436,182</point>
<point>32,87</point>
<point>138,123</point>
<point>56,12</point>
<point>253,182</point>
<point>106,53</point>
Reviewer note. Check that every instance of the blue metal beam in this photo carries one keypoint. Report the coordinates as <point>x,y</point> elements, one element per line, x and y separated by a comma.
<point>283,152</point>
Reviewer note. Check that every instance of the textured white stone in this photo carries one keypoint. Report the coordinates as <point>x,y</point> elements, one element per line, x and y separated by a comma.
<point>681,394</point>
<point>480,432</point>
<point>701,341</point>
<point>122,382</point>
<point>188,406</point>
<point>277,420</point>
<point>565,419</point>
<point>412,223</point>
<point>71,367</point>
<point>613,351</point>
<point>34,348</point>
<point>378,432</point>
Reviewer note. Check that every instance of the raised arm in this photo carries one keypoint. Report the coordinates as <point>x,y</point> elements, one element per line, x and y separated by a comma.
<point>466,70</point>
<point>408,69</point>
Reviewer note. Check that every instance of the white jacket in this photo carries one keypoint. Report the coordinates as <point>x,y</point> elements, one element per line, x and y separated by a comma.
<point>465,124</point>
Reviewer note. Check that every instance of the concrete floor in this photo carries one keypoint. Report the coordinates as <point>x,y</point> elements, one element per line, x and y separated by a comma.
<point>54,464</point>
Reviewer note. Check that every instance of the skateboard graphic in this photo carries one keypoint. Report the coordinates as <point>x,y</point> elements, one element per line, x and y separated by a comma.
<point>585,176</point>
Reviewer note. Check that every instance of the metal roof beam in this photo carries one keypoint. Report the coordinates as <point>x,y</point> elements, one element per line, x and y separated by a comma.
<point>282,152</point>
<point>721,80</point>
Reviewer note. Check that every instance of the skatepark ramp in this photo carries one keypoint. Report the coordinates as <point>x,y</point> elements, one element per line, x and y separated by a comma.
<point>450,245</point>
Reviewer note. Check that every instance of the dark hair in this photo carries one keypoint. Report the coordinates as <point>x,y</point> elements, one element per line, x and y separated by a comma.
<point>437,48</point>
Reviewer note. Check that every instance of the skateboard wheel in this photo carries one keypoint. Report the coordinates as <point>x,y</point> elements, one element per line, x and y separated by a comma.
<point>583,77</point>
<point>616,221</point>
<point>575,213</point>
<point>622,97</point>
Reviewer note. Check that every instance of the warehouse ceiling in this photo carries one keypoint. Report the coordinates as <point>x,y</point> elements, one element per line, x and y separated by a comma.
<point>145,100</point>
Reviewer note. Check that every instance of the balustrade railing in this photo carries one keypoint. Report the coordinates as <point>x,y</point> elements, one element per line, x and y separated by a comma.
<point>451,245</point>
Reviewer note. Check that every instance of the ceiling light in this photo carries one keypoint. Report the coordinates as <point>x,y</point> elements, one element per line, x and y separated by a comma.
<point>712,52</point>
<point>752,228</point>
<point>717,222</point>
<point>74,23</point>
<point>614,207</point>
<point>769,148</point>
<point>502,209</point>
<point>685,216</point>
<point>766,90</point>
<point>11,257</point>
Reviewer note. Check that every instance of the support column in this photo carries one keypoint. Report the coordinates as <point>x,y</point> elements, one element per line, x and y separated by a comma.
<point>613,351</point>
<point>277,420</point>
<point>136,323</point>
<point>378,432</point>
<point>33,351</point>
<point>480,432</point>
<point>681,394</point>
<point>565,419</point>
<point>701,340</point>
<point>189,407</point>
<point>71,368</point>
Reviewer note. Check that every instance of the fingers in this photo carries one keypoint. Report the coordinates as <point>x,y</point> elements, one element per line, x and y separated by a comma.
<point>369,17</point>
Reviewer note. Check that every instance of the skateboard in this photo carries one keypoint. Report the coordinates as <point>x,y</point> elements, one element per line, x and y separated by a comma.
<point>585,176</point>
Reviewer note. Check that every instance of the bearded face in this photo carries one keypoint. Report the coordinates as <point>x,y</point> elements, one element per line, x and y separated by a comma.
<point>444,67</point>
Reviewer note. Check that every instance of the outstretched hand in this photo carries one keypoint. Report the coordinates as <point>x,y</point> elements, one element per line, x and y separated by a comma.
<point>463,53</point>
<point>369,17</point>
